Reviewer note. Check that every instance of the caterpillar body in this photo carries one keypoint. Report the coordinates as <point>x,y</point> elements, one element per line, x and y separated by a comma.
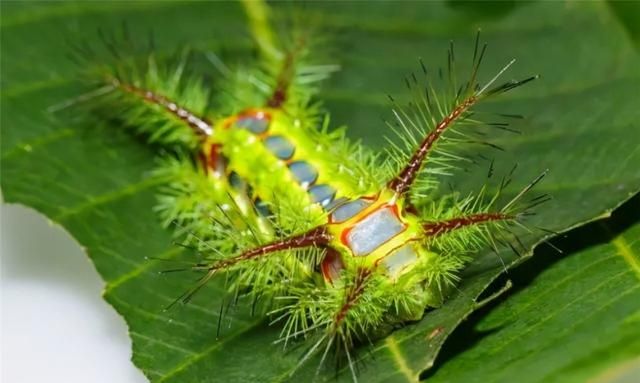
<point>336,241</point>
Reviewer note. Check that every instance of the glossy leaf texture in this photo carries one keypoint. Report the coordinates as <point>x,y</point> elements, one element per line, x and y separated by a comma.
<point>582,122</point>
<point>573,318</point>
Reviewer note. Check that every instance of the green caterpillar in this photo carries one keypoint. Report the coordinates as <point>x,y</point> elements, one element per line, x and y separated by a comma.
<point>337,242</point>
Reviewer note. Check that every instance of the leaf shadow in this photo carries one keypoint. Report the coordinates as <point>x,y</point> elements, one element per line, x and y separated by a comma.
<point>592,234</point>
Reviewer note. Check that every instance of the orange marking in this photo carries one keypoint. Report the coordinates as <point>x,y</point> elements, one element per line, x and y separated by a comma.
<point>330,263</point>
<point>343,236</point>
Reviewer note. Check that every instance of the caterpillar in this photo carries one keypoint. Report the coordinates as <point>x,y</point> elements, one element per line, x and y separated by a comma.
<point>335,242</point>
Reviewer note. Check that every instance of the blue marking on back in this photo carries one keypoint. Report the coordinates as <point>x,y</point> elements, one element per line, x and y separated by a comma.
<point>280,147</point>
<point>322,194</point>
<point>304,173</point>
<point>348,210</point>
<point>253,124</point>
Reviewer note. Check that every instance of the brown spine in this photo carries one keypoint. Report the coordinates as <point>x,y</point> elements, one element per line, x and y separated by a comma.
<point>433,229</point>
<point>314,237</point>
<point>354,293</point>
<point>403,181</point>
<point>200,126</point>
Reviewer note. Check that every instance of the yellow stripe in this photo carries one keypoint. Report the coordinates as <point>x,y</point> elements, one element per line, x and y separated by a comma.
<point>401,362</point>
<point>624,250</point>
<point>619,372</point>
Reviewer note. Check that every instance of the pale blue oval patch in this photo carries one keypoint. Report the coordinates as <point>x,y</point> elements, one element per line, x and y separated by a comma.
<point>373,231</point>
<point>348,210</point>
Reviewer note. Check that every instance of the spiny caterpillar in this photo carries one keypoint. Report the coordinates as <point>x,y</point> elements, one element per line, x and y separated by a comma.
<point>337,242</point>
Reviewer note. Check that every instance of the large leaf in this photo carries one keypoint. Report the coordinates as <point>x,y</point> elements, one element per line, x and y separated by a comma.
<point>583,124</point>
<point>578,318</point>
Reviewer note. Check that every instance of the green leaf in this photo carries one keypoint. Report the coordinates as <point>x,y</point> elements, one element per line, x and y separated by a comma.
<point>573,318</point>
<point>629,14</point>
<point>582,123</point>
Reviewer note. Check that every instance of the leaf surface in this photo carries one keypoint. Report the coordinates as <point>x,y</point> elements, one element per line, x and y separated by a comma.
<point>582,123</point>
<point>573,318</point>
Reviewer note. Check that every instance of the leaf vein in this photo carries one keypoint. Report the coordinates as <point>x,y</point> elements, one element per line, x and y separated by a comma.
<point>209,349</point>
<point>102,199</point>
<point>399,359</point>
<point>624,250</point>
